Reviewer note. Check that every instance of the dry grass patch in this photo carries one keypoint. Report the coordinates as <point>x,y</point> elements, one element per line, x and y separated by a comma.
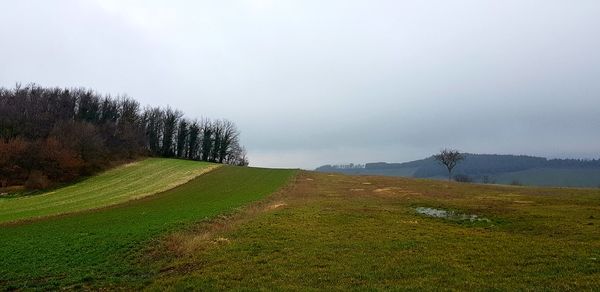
<point>336,232</point>
<point>211,233</point>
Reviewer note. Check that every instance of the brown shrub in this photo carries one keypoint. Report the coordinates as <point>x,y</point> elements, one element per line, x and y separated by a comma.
<point>59,162</point>
<point>37,180</point>
<point>12,154</point>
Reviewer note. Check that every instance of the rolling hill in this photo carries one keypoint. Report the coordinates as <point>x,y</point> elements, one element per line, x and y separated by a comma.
<point>118,185</point>
<point>491,168</point>
<point>102,245</point>
<point>241,228</point>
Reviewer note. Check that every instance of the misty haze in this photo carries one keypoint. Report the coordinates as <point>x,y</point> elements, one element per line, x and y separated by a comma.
<point>299,145</point>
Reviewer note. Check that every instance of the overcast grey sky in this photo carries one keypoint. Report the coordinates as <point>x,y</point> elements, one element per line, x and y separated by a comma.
<point>317,82</point>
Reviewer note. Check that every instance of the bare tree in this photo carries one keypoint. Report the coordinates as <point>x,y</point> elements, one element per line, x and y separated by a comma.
<point>237,156</point>
<point>193,144</point>
<point>449,158</point>
<point>206,127</point>
<point>183,137</point>
<point>229,139</point>
<point>170,122</point>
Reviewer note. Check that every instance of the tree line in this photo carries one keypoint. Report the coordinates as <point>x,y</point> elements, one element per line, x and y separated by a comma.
<point>50,135</point>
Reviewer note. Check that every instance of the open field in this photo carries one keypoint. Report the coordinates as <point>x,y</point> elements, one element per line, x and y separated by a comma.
<point>102,247</point>
<point>337,232</point>
<point>320,232</point>
<point>127,182</point>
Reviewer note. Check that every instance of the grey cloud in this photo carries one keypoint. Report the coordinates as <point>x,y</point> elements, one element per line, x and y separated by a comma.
<point>314,82</point>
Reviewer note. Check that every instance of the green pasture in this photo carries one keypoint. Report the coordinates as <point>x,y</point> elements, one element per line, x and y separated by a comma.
<point>127,182</point>
<point>102,247</point>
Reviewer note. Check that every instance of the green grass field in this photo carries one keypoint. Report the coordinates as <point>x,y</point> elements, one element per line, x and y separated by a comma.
<point>320,232</point>
<point>131,181</point>
<point>336,232</point>
<point>103,247</point>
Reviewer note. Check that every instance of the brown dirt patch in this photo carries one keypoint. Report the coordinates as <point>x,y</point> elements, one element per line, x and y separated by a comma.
<point>211,233</point>
<point>524,202</point>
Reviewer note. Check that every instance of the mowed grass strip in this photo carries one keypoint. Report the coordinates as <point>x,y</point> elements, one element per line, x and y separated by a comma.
<point>338,233</point>
<point>127,182</point>
<point>102,247</point>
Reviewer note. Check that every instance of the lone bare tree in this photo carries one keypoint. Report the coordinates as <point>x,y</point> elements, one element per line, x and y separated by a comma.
<point>449,158</point>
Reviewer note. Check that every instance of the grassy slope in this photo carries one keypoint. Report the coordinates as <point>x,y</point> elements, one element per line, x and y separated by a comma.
<point>131,181</point>
<point>101,247</point>
<point>342,232</point>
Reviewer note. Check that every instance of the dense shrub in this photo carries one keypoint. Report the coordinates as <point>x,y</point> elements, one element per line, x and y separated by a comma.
<point>37,180</point>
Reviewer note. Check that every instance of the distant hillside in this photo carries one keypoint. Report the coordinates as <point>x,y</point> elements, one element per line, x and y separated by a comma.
<point>492,168</point>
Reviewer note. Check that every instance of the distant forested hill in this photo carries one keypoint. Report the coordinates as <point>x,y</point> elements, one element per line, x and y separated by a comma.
<point>490,168</point>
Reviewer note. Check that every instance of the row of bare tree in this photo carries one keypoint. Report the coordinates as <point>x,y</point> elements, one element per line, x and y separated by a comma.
<point>57,134</point>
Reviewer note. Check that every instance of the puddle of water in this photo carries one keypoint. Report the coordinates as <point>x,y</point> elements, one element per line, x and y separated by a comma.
<point>450,215</point>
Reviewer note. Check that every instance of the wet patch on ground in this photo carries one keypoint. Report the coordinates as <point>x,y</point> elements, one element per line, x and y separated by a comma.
<point>450,215</point>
